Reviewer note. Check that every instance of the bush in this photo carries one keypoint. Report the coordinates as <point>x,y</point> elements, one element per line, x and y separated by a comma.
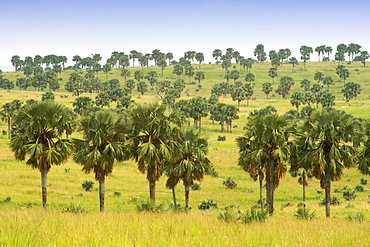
<point>229,215</point>
<point>195,186</point>
<point>253,215</point>
<point>305,214</point>
<point>356,217</point>
<point>350,205</point>
<point>117,193</point>
<point>286,205</point>
<point>88,185</point>
<point>214,173</point>
<point>334,200</point>
<point>363,181</point>
<point>75,208</point>
<point>349,194</point>
<point>207,204</point>
<point>221,138</point>
<point>230,183</point>
<point>359,188</point>
<point>149,206</point>
<point>177,209</point>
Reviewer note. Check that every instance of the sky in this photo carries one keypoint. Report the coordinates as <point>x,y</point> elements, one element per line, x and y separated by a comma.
<point>81,27</point>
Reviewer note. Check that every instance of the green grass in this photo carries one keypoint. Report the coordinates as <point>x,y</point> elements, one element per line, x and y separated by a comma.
<point>24,223</point>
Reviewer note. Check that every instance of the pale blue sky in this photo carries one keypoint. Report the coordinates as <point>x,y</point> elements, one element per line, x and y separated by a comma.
<point>43,27</point>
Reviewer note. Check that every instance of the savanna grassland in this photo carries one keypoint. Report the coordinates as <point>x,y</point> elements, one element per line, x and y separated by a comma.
<point>23,222</point>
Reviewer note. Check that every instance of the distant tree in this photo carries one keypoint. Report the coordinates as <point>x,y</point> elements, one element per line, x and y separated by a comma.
<point>48,96</point>
<point>138,75</point>
<point>217,53</point>
<point>363,56</point>
<point>320,50</point>
<point>125,73</point>
<point>178,69</point>
<point>6,84</point>
<point>306,84</point>
<point>189,71</point>
<point>219,89</point>
<point>199,109</point>
<point>82,105</point>
<point>130,84</point>
<point>319,76</point>
<point>296,99</point>
<point>339,57</point>
<point>152,78</point>
<point>272,73</point>
<point>328,50</point>
<point>326,99</point>
<point>260,53</point>
<point>199,57</point>
<point>249,77</point>
<point>8,111</point>
<point>226,64</point>
<point>293,61</point>
<point>351,90</point>
<point>328,81</point>
<point>169,56</point>
<point>133,55</point>
<point>305,53</point>
<point>286,83</point>
<point>267,88</point>
<point>106,68</point>
<point>199,76</point>
<point>249,91</point>
<point>343,73</point>
<point>238,94</point>
<point>162,63</point>
<point>142,87</point>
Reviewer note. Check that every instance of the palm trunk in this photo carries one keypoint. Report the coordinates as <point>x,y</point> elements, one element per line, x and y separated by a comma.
<point>101,192</point>
<point>174,196</point>
<point>187,192</point>
<point>304,187</point>
<point>270,186</point>
<point>152,190</point>
<point>44,184</point>
<point>327,187</point>
<point>261,194</point>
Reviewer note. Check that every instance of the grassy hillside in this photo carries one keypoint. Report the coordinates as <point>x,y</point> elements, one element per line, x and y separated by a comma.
<point>122,226</point>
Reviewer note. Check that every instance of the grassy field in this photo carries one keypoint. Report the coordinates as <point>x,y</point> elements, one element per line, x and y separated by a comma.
<point>23,222</point>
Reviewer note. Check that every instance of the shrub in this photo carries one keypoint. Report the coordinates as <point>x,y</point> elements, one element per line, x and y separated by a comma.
<point>75,208</point>
<point>214,173</point>
<point>305,214</point>
<point>356,217</point>
<point>67,170</point>
<point>229,215</point>
<point>363,181</point>
<point>349,194</point>
<point>207,204</point>
<point>288,204</point>
<point>319,191</point>
<point>230,183</point>
<point>195,186</point>
<point>334,200</point>
<point>350,205</point>
<point>177,209</point>
<point>253,215</point>
<point>359,188</point>
<point>221,138</point>
<point>87,185</point>
<point>149,206</point>
<point>117,193</point>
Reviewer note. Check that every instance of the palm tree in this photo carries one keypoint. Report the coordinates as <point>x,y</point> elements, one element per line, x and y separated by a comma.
<point>323,148</point>
<point>154,139</point>
<point>102,144</point>
<point>217,53</point>
<point>272,73</point>
<point>37,133</point>
<point>266,146</point>
<point>293,61</point>
<point>192,163</point>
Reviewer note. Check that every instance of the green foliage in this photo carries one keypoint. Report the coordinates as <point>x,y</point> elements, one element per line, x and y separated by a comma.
<point>349,194</point>
<point>207,204</point>
<point>288,204</point>
<point>75,208</point>
<point>304,213</point>
<point>230,183</point>
<point>214,173</point>
<point>357,217</point>
<point>230,214</point>
<point>334,200</point>
<point>363,181</point>
<point>359,188</point>
<point>149,206</point>
<point>195,186</point>
<point>88,185</point>
<point>252,214</point>
<point>117,193</point>
<point>221,138</point>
